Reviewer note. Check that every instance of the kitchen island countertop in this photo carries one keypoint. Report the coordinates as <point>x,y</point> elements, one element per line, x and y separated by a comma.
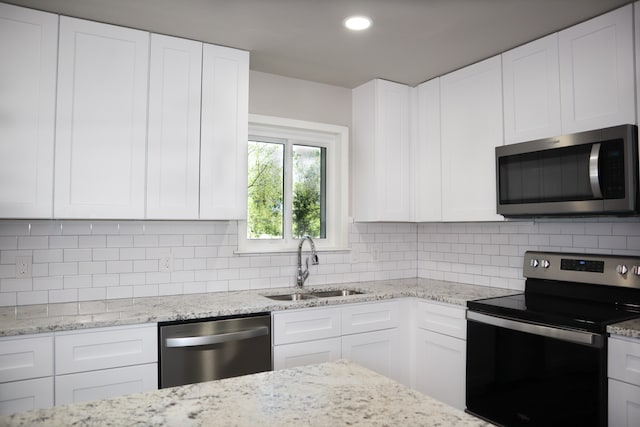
<point>329,394</point>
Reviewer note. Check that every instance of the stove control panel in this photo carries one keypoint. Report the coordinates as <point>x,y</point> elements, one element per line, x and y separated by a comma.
<point>609,270</point>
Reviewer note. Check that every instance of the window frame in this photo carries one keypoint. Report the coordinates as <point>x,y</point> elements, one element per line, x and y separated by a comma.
<point>335,139</point>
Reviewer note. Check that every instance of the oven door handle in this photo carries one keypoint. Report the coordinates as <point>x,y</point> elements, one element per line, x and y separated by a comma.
<point>217,338</point>
<point>577,337</point>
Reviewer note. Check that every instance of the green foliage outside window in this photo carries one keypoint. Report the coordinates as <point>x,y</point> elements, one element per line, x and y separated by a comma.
<point>266,196</point>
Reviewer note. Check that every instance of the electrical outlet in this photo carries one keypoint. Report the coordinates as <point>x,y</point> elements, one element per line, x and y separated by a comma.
<point>355,254</point>
<point>23,266</point>
<point>166,263</point>
<point>375,253</point>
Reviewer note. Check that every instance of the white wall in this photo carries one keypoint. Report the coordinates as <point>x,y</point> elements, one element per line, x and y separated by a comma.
<point>279,96</point>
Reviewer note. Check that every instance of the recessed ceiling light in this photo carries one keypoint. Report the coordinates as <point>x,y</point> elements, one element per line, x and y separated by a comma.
<point>357,23</point>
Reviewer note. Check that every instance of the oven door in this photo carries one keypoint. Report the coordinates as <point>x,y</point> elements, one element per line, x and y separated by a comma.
<point>523,374</point>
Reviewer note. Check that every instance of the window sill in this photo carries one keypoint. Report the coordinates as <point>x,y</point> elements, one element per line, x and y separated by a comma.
<point>290,251</point>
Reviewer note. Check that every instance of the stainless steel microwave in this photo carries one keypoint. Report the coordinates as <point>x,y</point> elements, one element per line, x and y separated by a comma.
<point>586,173</point>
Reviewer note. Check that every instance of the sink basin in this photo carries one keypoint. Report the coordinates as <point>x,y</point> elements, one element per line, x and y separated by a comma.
<point>313,295</point>
<point>290,297</point>
<point>335,293</point>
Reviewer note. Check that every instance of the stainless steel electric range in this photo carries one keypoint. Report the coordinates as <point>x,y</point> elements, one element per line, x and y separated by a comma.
<point>540,358</point>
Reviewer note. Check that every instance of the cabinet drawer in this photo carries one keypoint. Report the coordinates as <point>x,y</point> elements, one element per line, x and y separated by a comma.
<point>624,360</point>
<point>26,357</point>
<point>306,325</point>
<point>444,319</point>
<point>20,396</point>
<point>306,353</point>
<point>103,348</point>
<point>87,386</point>
<point>370,317</point>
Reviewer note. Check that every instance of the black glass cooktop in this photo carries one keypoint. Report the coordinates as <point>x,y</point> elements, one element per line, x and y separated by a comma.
<point>556,311</point>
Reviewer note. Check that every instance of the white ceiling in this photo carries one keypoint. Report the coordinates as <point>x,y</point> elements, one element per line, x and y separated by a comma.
<point>410,41</point>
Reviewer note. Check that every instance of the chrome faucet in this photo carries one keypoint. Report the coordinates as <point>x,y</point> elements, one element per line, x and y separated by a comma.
<point>302,275</point>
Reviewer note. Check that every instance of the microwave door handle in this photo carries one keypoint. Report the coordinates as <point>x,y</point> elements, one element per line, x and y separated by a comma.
<point>594,175</point>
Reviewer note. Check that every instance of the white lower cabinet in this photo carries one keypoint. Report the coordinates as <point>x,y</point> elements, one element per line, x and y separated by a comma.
<point>105,362</point>
<point>439,367</point>
<point>27,395</point>
<point>369,334</point>
<point>306,353</point>
<point>623,368</point>
<point>26,373</point>
<point>379,351</point>
<point>102,384</point>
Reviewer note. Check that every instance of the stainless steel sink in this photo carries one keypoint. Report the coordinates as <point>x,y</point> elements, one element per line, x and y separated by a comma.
<point>335,293</point>
<point>314,294</point>
<point>290,297</point>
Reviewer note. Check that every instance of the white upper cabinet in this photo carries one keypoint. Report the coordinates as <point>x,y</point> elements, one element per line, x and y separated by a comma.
<point>597,72</point>
<point>101,121</point>
<point>173,150</point>
<point>28,48</point>
<point>224,133</point>
<point>426,152</point>
<point>381,159</point>
<point>471,128</point>
<point>531,85</point>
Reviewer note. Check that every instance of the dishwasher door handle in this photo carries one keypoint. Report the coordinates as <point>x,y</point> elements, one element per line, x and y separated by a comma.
<point>217,338</point>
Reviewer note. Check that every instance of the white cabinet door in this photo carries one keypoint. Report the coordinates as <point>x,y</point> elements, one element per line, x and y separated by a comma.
<point>381,158</point>
<point>426,153</point>
<point>225,117</point>
<point>306,325</point>
<point>28,48</point>
<point>442,318</point>
<point>471,128</point>
<point>624,404</point>
<point>623,359</point>
<point>101,121</point>
<point>103,384</point>
<point>306,353</point>
<point>20,396</point>
<point>440,366</point>
<point>173,151</point>
<point>531,84</point>
<point>29,356</point>
<point>597,72</point>
<point>101,348</point>
<point>379,351</point>
<point>374,316</point>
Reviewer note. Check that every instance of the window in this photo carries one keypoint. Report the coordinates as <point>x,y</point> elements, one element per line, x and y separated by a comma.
<point>297,185</point>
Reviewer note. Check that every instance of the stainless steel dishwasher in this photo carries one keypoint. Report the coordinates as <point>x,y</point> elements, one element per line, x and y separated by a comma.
<point>197,351</point>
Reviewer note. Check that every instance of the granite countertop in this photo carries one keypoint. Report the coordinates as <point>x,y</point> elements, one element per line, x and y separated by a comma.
<point>329,394</point>
<point>629,328</point>
<point>91,314</point>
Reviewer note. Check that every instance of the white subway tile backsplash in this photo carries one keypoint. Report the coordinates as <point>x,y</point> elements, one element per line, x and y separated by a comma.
<point>101,260</point>
<point>63,242</point>
<point>8,242</point>
<point>119,266</point>
<point>119,241</point>
<point>71,255</point>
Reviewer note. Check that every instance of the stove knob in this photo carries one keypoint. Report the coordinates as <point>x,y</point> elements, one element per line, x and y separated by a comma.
<point>622,269</point>
<point>534,263</point>
<point>636,270</point>
<point>545,263</point>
